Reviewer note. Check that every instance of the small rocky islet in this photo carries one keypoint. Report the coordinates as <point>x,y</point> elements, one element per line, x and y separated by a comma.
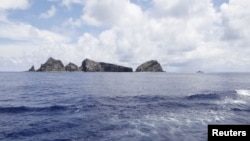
<point>54,65</point>
<point>150,66</point>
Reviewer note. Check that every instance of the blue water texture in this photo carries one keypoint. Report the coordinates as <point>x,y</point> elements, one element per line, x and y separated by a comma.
<point>78,106</point>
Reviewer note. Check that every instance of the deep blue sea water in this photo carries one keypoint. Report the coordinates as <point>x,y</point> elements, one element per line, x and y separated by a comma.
<point>120,106</point>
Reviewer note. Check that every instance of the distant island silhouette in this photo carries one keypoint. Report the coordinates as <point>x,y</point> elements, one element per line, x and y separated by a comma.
<point>54,65</point>
<point>199,71</point>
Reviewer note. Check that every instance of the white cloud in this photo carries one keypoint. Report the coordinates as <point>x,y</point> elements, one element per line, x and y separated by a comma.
<point>50,13</point>
<point>173,32</point>
<point>235,16</point>
<point>110,12</point>
<point>26,32</point>
<point>135,36</point>
<point>68,3</point>
<point>14,4</point>
<point>11,5</point>
<point>235,36</point>
<point>183,35</point>
<point>27,45</point>
<point>3,16</point>
<point>73,23</point>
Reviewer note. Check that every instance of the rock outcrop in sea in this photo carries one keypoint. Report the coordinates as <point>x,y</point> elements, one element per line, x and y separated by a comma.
<point>71,67</point>
<point>52,65</point>
<point>32,69</point>
<point>93,66</point>
<point>150,66</point>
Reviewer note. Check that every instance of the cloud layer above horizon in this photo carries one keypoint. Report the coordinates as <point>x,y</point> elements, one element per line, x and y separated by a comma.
<point>183,35</point>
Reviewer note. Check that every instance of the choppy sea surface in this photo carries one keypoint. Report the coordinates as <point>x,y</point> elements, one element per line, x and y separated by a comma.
<point>120,106</point>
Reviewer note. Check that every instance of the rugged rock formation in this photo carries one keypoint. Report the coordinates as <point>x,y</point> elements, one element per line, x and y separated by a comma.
<point>52,65</point>
<point>71,67</point>
<point>92,66</point>
<point>32,69</point>
<point>114,68</point>
<point>150,66</point>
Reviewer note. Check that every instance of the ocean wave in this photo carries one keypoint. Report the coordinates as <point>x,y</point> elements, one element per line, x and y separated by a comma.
<point>215,96</point>
<point>211,96</point>
<point>21,109</point>
<point>26,132</point>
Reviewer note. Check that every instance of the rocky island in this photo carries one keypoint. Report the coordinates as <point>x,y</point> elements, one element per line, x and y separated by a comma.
<point>71,67</point>
<point>92,66</point>
<point>32,69</point>
<point>150,66</point>
<point>53,65</point>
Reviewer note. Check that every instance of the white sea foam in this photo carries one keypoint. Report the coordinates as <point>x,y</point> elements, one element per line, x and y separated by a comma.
<point>233,101</point>
<point>243,92</point>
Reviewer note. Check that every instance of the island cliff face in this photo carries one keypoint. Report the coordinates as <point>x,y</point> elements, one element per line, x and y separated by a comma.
<point>71,67</point>
<point>115,68</point>
<point>92,66</point>
<point>150,66</point>
<point>52,65</point>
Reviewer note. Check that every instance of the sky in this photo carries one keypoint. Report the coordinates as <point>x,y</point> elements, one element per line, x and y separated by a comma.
<point>182,35</point>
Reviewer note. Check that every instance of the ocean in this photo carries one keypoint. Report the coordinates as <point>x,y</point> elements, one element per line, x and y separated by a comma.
<point>78,106</point>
